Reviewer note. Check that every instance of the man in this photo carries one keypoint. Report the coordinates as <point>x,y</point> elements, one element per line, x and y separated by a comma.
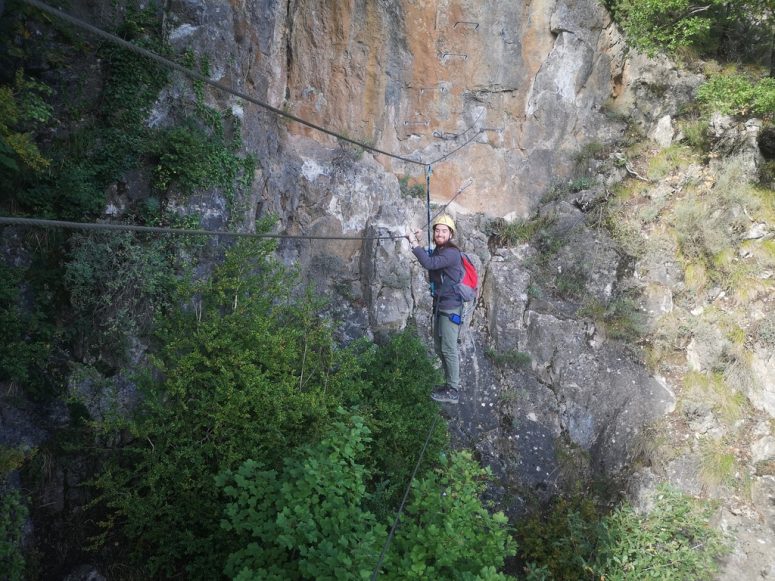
<point>445,268</point>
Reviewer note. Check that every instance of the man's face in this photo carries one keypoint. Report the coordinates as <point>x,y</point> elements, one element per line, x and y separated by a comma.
<point>441,234</point>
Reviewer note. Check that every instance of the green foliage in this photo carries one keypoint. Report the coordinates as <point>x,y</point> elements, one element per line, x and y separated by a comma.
<point>717,464</point>
<point>13,514</point>
<point>674,540</point>
<point>697,134</point>
<point>10,459</point>
<point>561,541</point>
<point>512,358</point>
<point>110,136</point>
<point>247,373</point>
<point>106,133</point>
<point>399,412</point>
<point>22,109</point>
<point>306,521</point>
<point>117,284</point>
<point>191,157</point>
<point>620,319</point>
<point>714,28</point>
<point>520,231</point>
<point>737,94</point>
<point>414,190</point>
<point>656,25</point>
<point>447,532</point>
<point>24,336</point>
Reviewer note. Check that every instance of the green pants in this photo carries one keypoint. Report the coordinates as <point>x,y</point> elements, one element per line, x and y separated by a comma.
<point>445,336</point>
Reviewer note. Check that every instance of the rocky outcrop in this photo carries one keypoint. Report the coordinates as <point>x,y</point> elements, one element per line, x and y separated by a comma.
<point>511,92</point>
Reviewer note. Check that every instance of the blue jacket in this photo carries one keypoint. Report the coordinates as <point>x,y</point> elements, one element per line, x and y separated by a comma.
<point>445,266</point>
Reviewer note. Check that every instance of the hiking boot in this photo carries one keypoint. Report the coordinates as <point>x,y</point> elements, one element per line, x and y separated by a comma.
<point>445,394</point>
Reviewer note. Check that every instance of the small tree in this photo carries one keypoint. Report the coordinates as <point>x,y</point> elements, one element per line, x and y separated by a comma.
<point>235,384</point>
<point>306,521</point>
<point>447,533</point>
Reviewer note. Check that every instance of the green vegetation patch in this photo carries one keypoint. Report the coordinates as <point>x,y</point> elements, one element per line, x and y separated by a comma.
<point>739,94</point>
<point>674,540</point>
<point>13,516</point>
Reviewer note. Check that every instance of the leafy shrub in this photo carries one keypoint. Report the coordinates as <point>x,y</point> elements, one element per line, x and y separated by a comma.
<point>674,540</point>
<point>117,284</point>
<point>22,109</point>
<point>697,134</point>
<point>241,380</point>
<point>415,190</point>
<point>13,514</point>
<point>399,375</point>
<point>512,233</point>
<point>677,26</point>
<point>736,94</point>
<point>560,542</point>
<point>191,157</point>
<point>656,25</point>
<point>306,521</point>
<point>621,318</point>
<point>24,336</point>
<point>448,533</point>
<point>10,459</point>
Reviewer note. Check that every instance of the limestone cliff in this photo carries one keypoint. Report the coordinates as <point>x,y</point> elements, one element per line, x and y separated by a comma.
<point>527,106</point>
<point>515,92</point>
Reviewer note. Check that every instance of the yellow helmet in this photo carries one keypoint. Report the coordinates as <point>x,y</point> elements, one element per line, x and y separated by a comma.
<point>445,220</point>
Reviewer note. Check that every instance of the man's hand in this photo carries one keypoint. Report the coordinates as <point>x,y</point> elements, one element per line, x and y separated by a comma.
<point>412,236</point>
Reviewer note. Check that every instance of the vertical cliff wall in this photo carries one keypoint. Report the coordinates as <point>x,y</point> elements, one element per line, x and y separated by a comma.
<point>513,91</point>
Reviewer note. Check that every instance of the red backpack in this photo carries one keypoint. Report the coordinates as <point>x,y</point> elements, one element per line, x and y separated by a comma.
<point>468,287</point>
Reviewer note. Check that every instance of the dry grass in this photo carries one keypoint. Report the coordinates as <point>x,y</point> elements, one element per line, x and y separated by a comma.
<point>669,160</point>
<point>717,464</point>
<point>655,446</point>
<point>727,404</point>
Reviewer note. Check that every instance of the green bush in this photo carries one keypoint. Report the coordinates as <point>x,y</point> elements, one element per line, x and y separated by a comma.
<point>25,339</point>
<point>674,540</point>
<point>714,28</point>
<point>13,514</point>
<point>241,379</point>
<point>22,109</point>
<point>512,233</point>
<point>190,157</point>
<point>447,532</point>
<point>117,284</point>
<point>737,94</point>
<point>656,25</point>
<point>306,521</point>
<point>399,375</point>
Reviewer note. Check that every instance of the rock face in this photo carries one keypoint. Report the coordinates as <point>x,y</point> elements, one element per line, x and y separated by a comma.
<point>496,99</point>
<point>524,84</point>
